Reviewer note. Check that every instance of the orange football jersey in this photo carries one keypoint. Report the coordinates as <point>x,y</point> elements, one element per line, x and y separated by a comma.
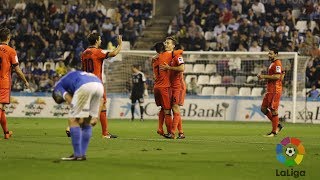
<point>162,78</point>
<point>92,60</point>
<point>176,77</point>
<point>275,86</point>
<point>8,58</point>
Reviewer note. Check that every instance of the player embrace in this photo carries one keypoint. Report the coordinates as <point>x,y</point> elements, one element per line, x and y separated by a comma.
<point>272,97</point>
<point>177,84</point>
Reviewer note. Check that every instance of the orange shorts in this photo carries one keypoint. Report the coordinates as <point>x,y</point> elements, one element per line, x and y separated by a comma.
<point>4,95</point>
<point>271,101</point>
<point>178,96</point>
<point>162,96</point>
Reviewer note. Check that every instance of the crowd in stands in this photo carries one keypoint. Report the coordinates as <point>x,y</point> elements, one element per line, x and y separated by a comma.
<point>256,26</point>
<point>251,25</point>
<point>50,31</point>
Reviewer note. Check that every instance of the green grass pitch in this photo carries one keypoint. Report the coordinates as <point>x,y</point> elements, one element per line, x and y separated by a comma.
<point>212,150</point>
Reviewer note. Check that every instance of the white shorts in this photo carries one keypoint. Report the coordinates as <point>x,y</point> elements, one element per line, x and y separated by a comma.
<point>86,101</point>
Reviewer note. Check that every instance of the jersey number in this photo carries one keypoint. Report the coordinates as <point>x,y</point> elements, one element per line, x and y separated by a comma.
<point>0,63</point>
<point>88,65</point>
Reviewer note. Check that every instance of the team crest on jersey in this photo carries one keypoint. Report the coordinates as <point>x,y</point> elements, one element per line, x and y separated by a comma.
<point>180,60</point>
<point>278,69</point>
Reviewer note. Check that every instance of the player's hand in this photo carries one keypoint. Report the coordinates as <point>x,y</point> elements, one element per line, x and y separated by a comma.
<point>260,76</point>
<point>165,67</point>
<point>119,40</point>
<point>93,122</point>
<point>154,58</point>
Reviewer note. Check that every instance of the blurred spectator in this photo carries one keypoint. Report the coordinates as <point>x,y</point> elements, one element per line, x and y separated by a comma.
<point>283,29</point>
<point>236,7</point>
<point>255,47</point>
<point>194,29</point>
<point>48,71</point>
<point>313,93</point>
<point>61,69</point>
<point>45,83</point>
<point>192,87</point>
<point>147,9</point>
<point>223,40</point>
<point>258,8</point>
<point>198,42</point>
<point>130,32</point>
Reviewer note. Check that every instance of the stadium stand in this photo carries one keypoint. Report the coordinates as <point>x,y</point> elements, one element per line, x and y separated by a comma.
<point>48,32</point>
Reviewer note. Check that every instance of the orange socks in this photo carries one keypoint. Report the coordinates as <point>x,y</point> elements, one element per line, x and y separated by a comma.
<point>104,122</point>
<point>180,126</point>
<point>160,120</point>
<point>275,122</point>
<point>3,121</point>
<point>168,121</point>
<point>176,120</point>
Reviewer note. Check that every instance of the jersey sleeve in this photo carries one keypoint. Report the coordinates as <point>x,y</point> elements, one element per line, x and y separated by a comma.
<point>14,58</point>
<point>102,54</point>
<point>178,60</point>
<point>278,68</point>
<point>60,90</point>
<point>143,77</point>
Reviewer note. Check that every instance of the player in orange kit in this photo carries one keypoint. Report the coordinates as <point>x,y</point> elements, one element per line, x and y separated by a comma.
<point>162,91</point>
<point>92,61</point>
<point>8,60</point>
<point>178,85</point>
<point>271,99</point>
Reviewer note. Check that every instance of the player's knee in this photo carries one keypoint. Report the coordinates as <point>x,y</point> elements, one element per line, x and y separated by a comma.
<point>264,110</point>
<point>176,108</point>
<point>274,112</point>
<point>167,112</point>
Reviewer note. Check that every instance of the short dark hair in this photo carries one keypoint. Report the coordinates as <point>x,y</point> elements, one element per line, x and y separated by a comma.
<point>93,38</point>
<point>274,50</point>
<point>159,47</point>
<point>58,97</point>
<point>4,34</point>
<point>135,66</point>
<point>174,41</point>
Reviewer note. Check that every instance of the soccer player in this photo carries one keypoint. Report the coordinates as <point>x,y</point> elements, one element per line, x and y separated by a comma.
<point>178,85</point>
<point>139,90</point>
<point>92,60</point>
<point>83,91</point>
<point>8,60</point>
<point>272,97</point>
<point>162,91</point>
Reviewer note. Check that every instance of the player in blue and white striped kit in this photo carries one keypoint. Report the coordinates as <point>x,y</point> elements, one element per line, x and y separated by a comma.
<point>83,91</point>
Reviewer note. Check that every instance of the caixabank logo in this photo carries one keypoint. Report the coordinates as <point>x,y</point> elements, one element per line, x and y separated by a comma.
<point>290,152</point>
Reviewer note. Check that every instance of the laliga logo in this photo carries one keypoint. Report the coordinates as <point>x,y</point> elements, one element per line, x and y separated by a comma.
<point>290,152</point>
<point>293,149</point>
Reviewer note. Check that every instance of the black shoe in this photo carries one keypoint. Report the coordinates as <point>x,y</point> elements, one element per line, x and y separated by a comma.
<point>169,136</point>
<point>271,134</point>
<point>132,118</point>
<point>280,127</point>
<point>68,133</point>
<point>181,136</point>
<point>74,158</point>
<point>109,136</point>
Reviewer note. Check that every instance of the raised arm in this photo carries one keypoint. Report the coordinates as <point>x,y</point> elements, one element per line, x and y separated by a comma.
<point>117,50</point>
